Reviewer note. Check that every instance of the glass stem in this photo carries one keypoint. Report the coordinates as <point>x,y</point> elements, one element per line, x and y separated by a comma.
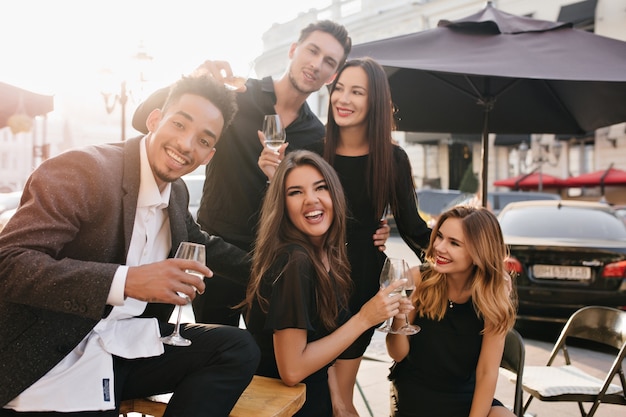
<point>177,327</point>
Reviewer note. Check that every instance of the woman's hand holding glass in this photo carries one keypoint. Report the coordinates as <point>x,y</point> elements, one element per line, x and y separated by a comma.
<point>383,306</point>
<point>395,270</point>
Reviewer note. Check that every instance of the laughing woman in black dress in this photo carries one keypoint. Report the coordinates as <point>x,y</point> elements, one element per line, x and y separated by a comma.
<point>299,288</point>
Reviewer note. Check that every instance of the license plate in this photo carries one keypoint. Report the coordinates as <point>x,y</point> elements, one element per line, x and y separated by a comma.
<point>574,273</point>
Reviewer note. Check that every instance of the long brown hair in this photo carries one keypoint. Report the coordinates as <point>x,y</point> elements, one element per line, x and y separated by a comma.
<point>276,232</point>
<point>381,173</point>
<point>493,295</point>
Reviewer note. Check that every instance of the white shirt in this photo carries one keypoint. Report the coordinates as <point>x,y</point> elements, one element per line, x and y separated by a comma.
<point>83,380</point>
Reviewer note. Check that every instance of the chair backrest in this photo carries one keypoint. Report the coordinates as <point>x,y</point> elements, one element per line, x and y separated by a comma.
<point>602,325</point>
<point>599,324</point>
<point>513,360</point>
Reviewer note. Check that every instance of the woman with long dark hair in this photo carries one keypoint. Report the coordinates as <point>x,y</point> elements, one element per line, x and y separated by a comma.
<point>299,290</point>
<point>376,176</point>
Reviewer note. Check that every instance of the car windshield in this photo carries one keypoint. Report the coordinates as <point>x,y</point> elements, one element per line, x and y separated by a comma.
<point>510,198</point>
<point>562,222</point>
<point>434,201</point>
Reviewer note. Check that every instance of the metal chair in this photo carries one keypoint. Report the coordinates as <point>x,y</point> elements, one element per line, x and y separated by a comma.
<point>513,361</point>
<point>603,325</point>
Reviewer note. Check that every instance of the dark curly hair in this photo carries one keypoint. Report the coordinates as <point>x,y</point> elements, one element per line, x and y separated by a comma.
<point>207,87</point>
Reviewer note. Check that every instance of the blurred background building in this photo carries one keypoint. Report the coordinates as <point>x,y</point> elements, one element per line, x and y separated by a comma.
<point>439,160</point>
<point>442,160</point>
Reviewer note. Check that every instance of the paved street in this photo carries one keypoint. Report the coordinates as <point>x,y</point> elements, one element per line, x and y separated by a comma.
<point>372,376</point>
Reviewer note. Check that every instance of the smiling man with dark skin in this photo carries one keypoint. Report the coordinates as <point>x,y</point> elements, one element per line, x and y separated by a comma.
<point>88,282</point>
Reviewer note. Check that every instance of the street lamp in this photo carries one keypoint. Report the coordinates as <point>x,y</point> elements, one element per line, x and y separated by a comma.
<point>543,155</point>
<point>111,100</point>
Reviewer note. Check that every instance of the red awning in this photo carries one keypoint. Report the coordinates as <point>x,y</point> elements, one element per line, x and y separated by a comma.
<point>610,176</point>
<point>531,181</point>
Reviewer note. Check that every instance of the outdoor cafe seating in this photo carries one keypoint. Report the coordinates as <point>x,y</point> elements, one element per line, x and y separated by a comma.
<point>264,397</point>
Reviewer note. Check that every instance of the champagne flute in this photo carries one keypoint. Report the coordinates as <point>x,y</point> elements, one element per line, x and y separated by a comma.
<point>408,328</point>
<point>273,131</point>
<point>235,82</point>
<point>196,252</point>
<point>239,77</point>
<point>393,270</point>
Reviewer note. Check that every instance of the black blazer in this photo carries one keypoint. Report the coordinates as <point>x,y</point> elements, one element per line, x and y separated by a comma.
<point>59,252</point>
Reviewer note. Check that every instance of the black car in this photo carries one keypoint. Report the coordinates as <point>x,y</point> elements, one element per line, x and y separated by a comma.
<point>497,200</point>
<point>566,255</point>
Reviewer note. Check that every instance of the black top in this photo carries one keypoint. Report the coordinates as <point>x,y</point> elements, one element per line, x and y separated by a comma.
<point>234,186</point>
<point>363,221</point>
<point>366,260</point>
<point>438,376</point>
<point>290,288</point>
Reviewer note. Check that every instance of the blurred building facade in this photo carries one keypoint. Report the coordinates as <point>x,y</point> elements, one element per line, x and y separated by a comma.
<point>441,160</point>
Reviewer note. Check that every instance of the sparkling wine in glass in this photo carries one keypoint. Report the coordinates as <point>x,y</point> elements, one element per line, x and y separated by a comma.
<point>393,270</point>
<point>408,328</point>
<point>273,131</point>
<point>195,252</point>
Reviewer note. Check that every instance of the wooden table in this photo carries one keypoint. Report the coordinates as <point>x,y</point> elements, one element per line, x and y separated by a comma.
<point>264,397</point>
<point>269,397</point>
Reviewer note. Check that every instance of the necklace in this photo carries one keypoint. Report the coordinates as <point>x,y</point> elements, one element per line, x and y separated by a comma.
<point>450,303</point>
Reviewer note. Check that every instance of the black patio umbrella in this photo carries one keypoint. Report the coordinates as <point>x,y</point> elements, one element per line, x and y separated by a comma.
<point>494,72</point>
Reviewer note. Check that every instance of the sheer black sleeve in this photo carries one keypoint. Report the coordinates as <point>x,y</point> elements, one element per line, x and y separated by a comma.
<point>292,301</point>
<point>412,228</point>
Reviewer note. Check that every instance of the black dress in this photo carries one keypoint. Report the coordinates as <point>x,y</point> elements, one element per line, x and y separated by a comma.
<point>291,296</point>
<point>366,261</point>
<point>438,376</point>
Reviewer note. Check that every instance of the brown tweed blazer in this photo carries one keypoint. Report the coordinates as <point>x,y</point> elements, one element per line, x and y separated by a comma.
<point>59,252</point>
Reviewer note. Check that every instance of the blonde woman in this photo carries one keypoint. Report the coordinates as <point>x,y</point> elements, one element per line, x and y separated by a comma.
<point>464,305</point>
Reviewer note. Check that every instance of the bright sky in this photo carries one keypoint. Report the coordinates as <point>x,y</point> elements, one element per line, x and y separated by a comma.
<point>60,47</point>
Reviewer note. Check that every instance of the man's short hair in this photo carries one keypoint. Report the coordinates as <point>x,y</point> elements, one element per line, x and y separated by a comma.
<point>334,29</point>
<point>209,88</point>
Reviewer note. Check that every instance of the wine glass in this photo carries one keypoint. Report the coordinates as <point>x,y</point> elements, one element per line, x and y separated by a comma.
<point>393,270</point>
<point>407,289</point>
<point>235,82</point>
<point>239,78</point>
<point>273,131</point>
<point>195,252</point>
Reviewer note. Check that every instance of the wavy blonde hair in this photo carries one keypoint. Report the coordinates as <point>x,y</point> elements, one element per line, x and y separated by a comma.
<point>493,295</point>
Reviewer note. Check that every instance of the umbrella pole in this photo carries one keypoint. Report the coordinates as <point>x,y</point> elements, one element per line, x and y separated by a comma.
<point>488,105</point>
<point>603,177</point>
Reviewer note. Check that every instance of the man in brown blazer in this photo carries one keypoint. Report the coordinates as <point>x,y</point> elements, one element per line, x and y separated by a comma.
<point>83,252</point>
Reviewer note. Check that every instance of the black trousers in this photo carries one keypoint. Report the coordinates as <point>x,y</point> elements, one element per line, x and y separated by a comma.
<point>216,304</point>
<point>206,378</point>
